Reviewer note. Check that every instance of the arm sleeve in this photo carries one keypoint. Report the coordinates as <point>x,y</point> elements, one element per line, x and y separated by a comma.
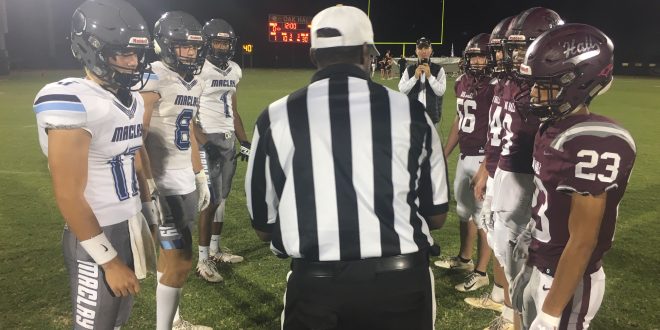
<point>262,200</point>
<point>593,165</point>
<point>439,83</point>
<point>406,83</point>
<point>434,180</point>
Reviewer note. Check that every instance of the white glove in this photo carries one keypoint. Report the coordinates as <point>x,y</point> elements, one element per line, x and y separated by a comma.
<point>151,213</point>
<point>544,321</point>
<point>521,250</point>
<point>203,190</point>
<point>486,215</point>
<point>518,287</point>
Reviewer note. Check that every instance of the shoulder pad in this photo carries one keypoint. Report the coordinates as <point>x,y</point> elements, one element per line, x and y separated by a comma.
<point>57,105</point>
<point>594,129</point>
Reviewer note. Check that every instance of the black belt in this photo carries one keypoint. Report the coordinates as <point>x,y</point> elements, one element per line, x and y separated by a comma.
<point>375,265</point>
<point>592,268</point>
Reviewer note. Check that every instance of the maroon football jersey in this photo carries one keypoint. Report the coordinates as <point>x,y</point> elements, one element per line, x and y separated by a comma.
<point>495,131</point>
<point>473,99</point>
<point>519,132</point>
<point>588,154</point>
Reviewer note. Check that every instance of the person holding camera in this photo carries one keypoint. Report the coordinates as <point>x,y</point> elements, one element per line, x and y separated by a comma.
<point>425,81</point>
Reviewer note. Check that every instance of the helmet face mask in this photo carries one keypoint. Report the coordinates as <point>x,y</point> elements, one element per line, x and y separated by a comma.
<point>187,53</point>
<point>513,54</point>
<point>495,48</point>
<point>571,64</point>
<point>179,42</point>
<point>497,57</point>
<point>543,100</point>
<point>102,29</point>
<point>477,64</point>
<point>221,41</point>
<point>523,30</point>
<point>125,75</point>
<point>221,50</point>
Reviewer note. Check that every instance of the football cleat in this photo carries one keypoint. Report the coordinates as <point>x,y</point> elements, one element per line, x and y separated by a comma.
<point>206,269</point>
<point>182,324</point>
<point>485,302</point>
<point>500,323</point>
<point>454,263</point>
<point>226,257</point>
<point>473,281</point>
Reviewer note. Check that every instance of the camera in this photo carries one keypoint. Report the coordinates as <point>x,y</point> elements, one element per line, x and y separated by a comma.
<point>423,61</point>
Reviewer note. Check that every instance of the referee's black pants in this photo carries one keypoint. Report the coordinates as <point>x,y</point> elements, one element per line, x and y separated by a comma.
<point>380,293</point>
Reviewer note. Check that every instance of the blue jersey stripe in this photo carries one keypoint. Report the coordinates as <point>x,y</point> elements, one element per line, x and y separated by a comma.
<point>61,106</point>
<point>57,97</point>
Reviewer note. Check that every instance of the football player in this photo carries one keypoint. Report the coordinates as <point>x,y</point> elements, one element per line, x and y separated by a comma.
<point>582,164</point>
<point>219,126</point>
<point>474,94</point>
<point>90,129</point>
<point>171,98</point>
<point>498,298</point>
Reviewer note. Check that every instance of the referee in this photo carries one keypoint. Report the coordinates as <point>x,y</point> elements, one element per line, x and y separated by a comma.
<point>348,178</point>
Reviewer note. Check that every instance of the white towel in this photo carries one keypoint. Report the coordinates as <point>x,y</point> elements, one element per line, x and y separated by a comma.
<point>142,246</point>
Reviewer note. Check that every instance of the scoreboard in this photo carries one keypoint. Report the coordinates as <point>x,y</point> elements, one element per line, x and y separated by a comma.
<point>289,28</point>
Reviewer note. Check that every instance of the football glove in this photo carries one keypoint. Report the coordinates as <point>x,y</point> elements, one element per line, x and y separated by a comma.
<point>544,321</point>
<point>154,211</point>
<point>518,287</point>
<point>203,190</point>
<point>151,213</point>
<point>244,153</point>
<point>486,215</point>
<point>521,250</point>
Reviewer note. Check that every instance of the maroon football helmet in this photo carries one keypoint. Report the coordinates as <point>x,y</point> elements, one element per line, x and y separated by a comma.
<point>495,43</point>
<point>577,59</point>
<point>523,29</point>
<point>477,46</point>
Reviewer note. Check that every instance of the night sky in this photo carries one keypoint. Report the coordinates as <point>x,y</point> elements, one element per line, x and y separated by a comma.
<point>633,25</point>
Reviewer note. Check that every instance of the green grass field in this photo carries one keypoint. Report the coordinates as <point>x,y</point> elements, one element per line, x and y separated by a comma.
<point>33,280</point>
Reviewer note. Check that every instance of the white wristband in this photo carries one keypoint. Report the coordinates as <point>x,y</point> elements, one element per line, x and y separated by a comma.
<point>99,248</point>
<point>149,212</point>
<point>549,319</point>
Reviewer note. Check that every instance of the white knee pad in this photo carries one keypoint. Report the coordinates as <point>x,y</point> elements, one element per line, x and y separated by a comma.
<point>220,212</point>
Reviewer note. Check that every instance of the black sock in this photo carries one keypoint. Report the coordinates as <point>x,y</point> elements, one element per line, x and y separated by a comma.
<point>463,260</point>
<point>480,273</point>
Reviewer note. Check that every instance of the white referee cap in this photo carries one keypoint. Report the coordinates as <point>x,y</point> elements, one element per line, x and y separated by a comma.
<point>341,26</point>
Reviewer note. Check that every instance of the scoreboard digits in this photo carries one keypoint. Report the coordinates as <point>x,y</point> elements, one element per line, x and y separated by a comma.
<point>289,28</point>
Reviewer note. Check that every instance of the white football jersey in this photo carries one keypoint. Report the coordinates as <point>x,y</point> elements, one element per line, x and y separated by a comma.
<point>168,141</point>
<point>215,109</point>
<point>112,188</point>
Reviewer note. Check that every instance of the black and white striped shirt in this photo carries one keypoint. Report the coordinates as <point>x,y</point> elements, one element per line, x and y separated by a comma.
<point>345,169</point>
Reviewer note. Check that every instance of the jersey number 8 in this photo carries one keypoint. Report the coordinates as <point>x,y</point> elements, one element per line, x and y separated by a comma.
<point>182,132</point>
